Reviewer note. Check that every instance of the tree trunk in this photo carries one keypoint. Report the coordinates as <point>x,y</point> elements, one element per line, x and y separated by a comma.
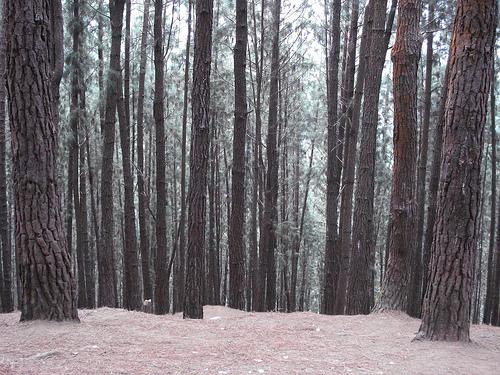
<point>445,312</point>
<point>48,284</point>
<point>354,305</point>
<point>132,291</point>
<point>405,57</point>
<point>143,223</point>
<point>363,246</point>
<point>106,253</point>
<point>332,187</point>
<point>236,231</point>
<point>271,193</point>
<point>200,143</point>
<point>415,283</point>
<point>6,255</point>
<point>161,303</point>
<point>182,220</point>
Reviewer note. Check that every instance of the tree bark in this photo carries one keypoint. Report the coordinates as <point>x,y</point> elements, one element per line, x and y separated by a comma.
<point>405,57</point>
<point>415,282</point>
<point>236,230</point>
<point>445,312</point>
<point>200,143</point>
<point>106,253</point>
<point>48,284</point>
<point>161,302</point>
<point>332,258</point>
<point>363,246</point>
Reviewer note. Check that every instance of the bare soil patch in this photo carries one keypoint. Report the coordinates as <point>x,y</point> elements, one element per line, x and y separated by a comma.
<point>115,341</point>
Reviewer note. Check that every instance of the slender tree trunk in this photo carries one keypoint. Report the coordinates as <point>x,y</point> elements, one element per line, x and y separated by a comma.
<point>405,57</point>
<point>200,143</point>
<point>236,230</point>
<point>48,284</point>
<point>6,255</point>
<point>106,253</point>
<point>415,283</point>
<point>354,304</point>
<point>161,303</point>
<point>445,312</point>
<point>271,194</point>
<point>182,220</point>
<point>143,224</point>
<point>346,210</point>
<point>332,187</point>
<point>132,291</point>
<point>363,246</point>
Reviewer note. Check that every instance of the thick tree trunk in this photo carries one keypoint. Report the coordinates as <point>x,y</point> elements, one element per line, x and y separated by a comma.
<point>445,312</point>
<point>48,284</point>
<point>236,230</point>
<point>415,282</point>
<point>405,57</point>
<point>363,246</point>
<point>143,223</point>
<point>200,143</point>
<point>161,302</point>
<point>332,258</point>
<point>6,255</point>
<point>106,252</point>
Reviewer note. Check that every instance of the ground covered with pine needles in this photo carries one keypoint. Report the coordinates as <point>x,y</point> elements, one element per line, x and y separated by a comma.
<point>114,341</point>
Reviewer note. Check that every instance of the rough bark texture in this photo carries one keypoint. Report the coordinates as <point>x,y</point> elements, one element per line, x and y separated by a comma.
<point>161,302</point>
<point>332,187</point>
<point>271,191</point>
<point>236,231</point>
<point>447,299</point>
<point>415,283</point>
<point>6,254</point>
<point>200,143</point>
<point>363,246</point>
<point>405,57</point>
<point>143,224</point>
<point>34,32</point>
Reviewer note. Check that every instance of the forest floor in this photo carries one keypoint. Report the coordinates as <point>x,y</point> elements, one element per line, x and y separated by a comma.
<point>115,341</point>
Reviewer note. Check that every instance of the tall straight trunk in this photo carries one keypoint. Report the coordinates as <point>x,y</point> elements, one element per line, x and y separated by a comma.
<point>434,182</point>
<point>48,284</point>
<point>83,211</point>
<point>6,254</point>
<point>106,253</point>
<point>295,248</point>
<point>495,315</point>
<point>363,246</point>
<point>236,229</point>
<point>73,170</point>
<point>100,57</point>
<point>415,282</point>
<point>143,222</point>
<point>353,304</point>
<point>179,287</point>
<point>332,187</point>
<point>161,303</point>
<point>348,91</point>
<point>405,56</point>
<point>445,312</point>
<point>490,275</point>
<point>132,291</point>
<point>258,259</point>
<point>200,143</point>
<point>271,194</point>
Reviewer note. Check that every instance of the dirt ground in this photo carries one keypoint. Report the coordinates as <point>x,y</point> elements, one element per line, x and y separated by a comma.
<point>114,341</point>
